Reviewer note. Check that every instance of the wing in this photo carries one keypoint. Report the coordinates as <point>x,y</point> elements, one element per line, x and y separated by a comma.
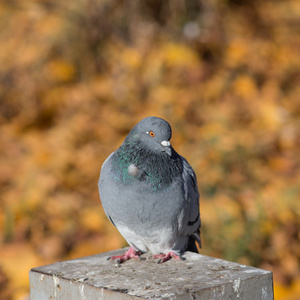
<point>106,162</point>
<point>190,222</point>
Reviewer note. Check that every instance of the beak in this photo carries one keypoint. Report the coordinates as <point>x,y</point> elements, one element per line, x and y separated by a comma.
<point>166,147</point>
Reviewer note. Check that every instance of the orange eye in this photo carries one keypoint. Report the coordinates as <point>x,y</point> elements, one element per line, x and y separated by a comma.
<point>152,133</point>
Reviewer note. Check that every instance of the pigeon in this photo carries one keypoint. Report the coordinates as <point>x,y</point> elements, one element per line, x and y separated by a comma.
<point>149,192</point>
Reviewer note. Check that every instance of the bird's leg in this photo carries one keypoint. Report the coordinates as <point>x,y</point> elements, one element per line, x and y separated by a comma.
<point>131,253</point>
<point>167,256</point>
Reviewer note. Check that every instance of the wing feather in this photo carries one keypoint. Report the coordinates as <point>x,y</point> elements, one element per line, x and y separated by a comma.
<point>190,222</point>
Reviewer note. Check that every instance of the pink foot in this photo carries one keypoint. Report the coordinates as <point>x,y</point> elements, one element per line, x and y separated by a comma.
<point>167,256</point>
<point>131,253</point>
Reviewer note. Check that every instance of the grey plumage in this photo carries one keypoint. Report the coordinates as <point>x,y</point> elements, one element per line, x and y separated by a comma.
<point>149,192</point>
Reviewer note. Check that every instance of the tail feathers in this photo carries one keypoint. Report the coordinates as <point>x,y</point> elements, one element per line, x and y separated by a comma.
<point>197,238</point>
<point>192,245</point>
<point>193,238</point>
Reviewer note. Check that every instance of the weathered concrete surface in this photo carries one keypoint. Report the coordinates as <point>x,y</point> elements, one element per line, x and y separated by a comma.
<point>198,277</point>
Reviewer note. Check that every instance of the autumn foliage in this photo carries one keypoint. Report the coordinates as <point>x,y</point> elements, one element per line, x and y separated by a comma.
<point>76,76</point>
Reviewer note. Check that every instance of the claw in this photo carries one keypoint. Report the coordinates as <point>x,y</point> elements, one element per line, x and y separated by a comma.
<point>167,256</point>
<point>131,253</point>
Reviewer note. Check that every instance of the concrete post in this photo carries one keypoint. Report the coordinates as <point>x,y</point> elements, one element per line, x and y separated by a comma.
<point>198,277</point>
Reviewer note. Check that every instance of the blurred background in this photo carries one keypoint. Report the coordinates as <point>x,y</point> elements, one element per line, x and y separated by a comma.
<point>76,76</point>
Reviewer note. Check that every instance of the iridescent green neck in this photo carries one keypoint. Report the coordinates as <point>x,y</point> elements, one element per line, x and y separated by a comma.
<point>159,169</point>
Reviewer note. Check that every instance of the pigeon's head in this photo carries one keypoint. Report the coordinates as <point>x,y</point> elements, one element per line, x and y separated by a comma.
<point>155,134</point>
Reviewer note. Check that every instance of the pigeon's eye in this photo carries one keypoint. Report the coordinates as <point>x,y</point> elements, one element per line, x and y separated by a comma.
<point>151,133</point>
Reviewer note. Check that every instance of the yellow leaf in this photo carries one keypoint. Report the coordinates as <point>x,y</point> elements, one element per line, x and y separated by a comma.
<point>236,52</point>
<point>60,70</point>
<point>245,87</point>
<point>132,58</point>
<point>178,55</point>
